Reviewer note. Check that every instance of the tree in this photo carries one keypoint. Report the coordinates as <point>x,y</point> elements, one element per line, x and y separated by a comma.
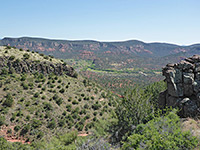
<point>132,110</point>
<point>153,90</point>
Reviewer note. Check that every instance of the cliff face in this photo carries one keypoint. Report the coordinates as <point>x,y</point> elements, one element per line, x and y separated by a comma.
<point>183,86</point>
<point>27,66</point>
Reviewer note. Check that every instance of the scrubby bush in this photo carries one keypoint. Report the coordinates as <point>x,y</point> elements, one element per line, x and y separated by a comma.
<point>36,123</point>
<point>61,122</point>
<point>26,56</point>
<point>62,90</point>
<point>12,57</point>
<point>36,94</point>
<point>40,135</point>
<point>25,129</point>
<point>43,97</point>
<point>59,101</point>
<point>161,133</point>
<point>47,106</point>
<point>52,124</point>
<point>24,85</point>
<point>55,97</point>
<point>2,120</point>
<point>74,102</point>
<point>8,101</point>
<point>8,47</point>
<point>4,71</point>
<point>86,106</point>
<point>96,106</point>
<point>17,128</point>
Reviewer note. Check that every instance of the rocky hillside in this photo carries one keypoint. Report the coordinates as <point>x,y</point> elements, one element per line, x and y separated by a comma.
<point>20,61</point>
<point>41,96</point>
<point>183,86</point>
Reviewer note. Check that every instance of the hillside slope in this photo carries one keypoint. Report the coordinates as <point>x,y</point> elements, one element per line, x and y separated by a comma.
<point>114,65</point>
<point>41,96</point>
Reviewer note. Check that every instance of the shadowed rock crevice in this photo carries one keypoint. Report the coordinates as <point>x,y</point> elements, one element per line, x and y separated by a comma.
<point>183,86</point>
<point>27,66</point>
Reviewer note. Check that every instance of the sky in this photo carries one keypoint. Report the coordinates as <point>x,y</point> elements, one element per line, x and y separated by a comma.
<point>172,21</point>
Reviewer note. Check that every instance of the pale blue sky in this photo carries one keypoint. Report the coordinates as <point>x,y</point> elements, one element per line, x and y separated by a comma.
<point>174,21</point>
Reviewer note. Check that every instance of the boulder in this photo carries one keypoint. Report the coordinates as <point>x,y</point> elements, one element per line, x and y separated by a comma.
<point>183,86</point>
<point>162,99</point>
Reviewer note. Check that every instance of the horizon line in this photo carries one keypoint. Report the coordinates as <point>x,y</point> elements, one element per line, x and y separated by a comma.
<point>97,40</point>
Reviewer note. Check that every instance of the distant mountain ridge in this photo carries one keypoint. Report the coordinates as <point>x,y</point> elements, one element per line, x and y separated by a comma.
<point>93,49</point>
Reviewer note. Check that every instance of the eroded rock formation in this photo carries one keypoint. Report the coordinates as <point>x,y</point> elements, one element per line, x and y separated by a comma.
<point>27,66</point>
<point>183,86</point>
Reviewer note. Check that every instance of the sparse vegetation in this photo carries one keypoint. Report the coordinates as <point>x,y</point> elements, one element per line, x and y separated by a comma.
<point>51,110</point>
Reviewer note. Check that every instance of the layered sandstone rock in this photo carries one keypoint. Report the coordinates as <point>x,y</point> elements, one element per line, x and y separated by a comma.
<point>183,86</point>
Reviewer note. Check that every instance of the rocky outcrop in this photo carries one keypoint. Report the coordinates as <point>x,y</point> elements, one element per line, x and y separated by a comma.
<point>183,86</point>
<point>27,66</point>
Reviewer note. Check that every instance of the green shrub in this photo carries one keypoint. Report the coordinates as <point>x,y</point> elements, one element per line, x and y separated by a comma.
<point>52,124</point>
<point>25,129</point>
<point>161,133</point>
<point>26,56</point>
<point>46,57</point>
<point>17,128</point>
<point>36,123</point>
<point>61,122</point>
<point>4,71</point>
<point>36,95</point>
<point>55,97</point>
<point>96,106</point>
<point>95,113</point>
<point>68,138</point>
<point>47,106</point>
<point>59,101</point>
<point>86,106</point>
<point>23,77</point>
<point>62,90</point>
<point>59,81</point>
<point>40,135</point>
<point>8,47</point>
<point>74,102</point>
<point>8,101</point>
<point>43,97</point>
<point>2,120</point>
<point>30,85</point>
<point>69,107</point>
<point>103,94</point>
<point>28,117</point>
<point>12,57</point>
<point>24,85</point>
